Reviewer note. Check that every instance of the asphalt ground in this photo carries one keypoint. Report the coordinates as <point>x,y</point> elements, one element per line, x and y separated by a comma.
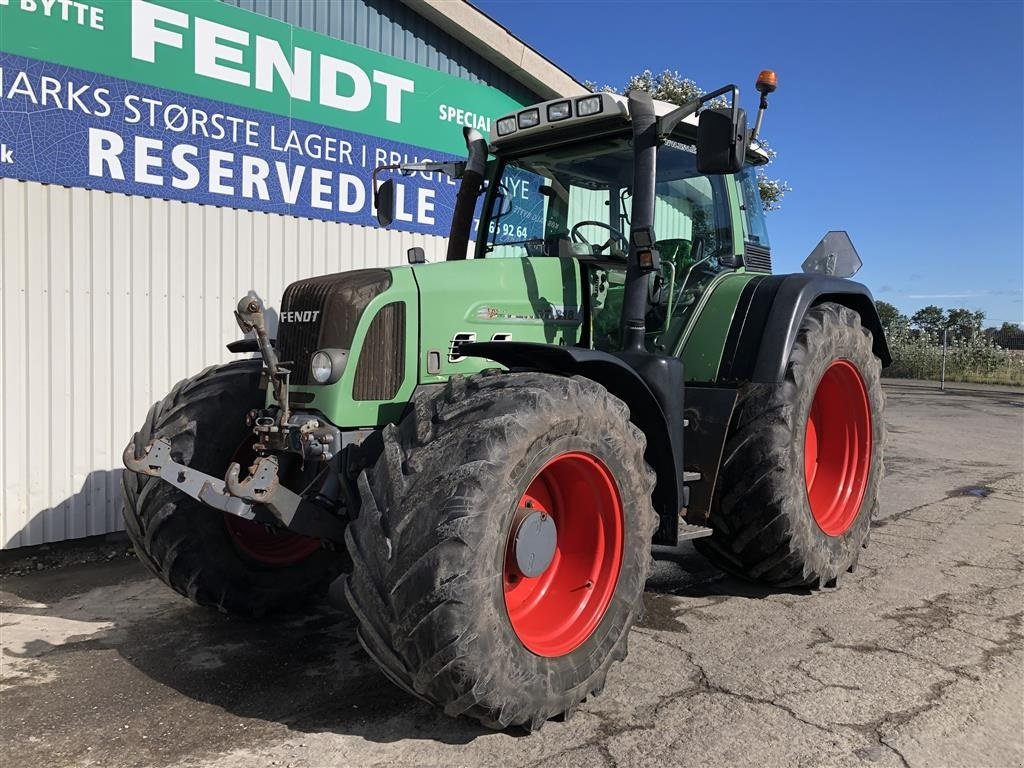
<point>915,660</point>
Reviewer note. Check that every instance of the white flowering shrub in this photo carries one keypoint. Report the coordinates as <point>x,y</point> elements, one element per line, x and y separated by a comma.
<point>918,355</point>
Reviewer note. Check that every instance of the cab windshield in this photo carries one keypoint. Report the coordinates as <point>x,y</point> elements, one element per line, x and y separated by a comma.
<point>575,201</point>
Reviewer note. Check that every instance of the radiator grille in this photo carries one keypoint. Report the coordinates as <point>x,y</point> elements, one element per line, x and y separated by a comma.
<point>757,258</point>
<point>338,300</point>
<point>381,367</point>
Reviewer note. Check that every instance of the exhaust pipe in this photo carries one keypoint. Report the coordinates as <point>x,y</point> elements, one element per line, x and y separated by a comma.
<point>469,190</point>
<point>641,233</point>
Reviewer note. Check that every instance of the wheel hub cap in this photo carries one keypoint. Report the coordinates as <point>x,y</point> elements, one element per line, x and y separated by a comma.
<point>535,541</point>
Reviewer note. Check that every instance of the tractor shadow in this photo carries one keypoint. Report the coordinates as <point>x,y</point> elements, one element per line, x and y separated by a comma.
<point>305,670</point>
<point>682,571</point>
<point>683,581</point>
<point>139,651</point>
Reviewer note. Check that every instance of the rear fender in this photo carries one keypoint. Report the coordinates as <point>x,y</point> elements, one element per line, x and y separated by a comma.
<point>768,317</point>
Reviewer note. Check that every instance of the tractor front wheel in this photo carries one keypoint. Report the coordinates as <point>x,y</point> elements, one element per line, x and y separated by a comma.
<point>502,545</point>
<point>214,558</point>
<point>802,464</point>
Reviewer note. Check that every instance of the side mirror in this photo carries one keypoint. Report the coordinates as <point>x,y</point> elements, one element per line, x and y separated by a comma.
<point>384,202</point>
<point>721,143</point>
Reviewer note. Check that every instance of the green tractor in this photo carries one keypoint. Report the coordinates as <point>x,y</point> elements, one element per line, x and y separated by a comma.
<point>487,447</point>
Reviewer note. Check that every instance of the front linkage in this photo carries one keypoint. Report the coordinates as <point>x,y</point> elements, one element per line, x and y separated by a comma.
<point>261,496</point>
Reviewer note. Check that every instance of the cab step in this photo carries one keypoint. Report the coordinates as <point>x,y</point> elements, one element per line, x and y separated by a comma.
<point>688,531</point>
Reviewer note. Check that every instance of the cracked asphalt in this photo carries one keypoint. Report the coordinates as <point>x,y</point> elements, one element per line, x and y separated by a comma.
<point>914,660</point>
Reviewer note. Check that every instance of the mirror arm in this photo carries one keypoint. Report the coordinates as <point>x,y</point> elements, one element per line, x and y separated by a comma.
<point>722,91</point>
<point>667,123</point>
<point>454,169</point>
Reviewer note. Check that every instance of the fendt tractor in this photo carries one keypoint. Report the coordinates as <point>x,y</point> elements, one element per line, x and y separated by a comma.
<point>487,447</point>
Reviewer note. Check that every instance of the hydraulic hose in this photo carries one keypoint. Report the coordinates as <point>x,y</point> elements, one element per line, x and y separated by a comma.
<point>469,191</point>
<point>645,157</point>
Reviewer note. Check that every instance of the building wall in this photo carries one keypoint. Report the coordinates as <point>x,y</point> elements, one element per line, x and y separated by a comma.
<point>106,301</point>
<point>393,29</point>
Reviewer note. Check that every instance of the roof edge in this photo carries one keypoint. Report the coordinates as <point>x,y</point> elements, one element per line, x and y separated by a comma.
<point>485,36</point>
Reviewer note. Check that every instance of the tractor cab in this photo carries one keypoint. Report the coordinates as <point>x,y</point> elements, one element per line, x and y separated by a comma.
<point>563,180</point>
<point>565,189</point>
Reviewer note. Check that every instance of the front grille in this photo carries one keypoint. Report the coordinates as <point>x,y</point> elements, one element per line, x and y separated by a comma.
<point>757,258</point>
<point>338,300</point>
<point>381,367</point>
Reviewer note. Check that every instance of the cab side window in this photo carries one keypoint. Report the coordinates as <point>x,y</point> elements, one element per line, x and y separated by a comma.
<point>756,232</point>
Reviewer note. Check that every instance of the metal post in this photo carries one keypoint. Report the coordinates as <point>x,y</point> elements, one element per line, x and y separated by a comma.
<point>942,374</point>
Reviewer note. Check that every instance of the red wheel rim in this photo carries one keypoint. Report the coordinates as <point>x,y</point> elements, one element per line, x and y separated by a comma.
<point>837,448</point>
<point>262,543</point>
<point>556,611</point>
<point>270,546</point>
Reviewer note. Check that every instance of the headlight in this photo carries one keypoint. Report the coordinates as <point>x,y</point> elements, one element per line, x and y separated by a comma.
<point>327,365</point>
<point>591,105</point>
<point>506,125</point>
<point>320,367</point>
<point>529,118</point>
<point>559,111</point>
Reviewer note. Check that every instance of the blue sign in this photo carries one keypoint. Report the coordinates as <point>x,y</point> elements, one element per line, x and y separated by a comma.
<point>75,128</point>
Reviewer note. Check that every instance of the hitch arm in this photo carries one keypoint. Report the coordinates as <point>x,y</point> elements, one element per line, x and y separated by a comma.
<point>262,489</point>
<point>156,461</point>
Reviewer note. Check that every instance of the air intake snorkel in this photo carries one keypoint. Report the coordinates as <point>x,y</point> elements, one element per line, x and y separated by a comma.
<point>469,191</point>
<point>642,258</point>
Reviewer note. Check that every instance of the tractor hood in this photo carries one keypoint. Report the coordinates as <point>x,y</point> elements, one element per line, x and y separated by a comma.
<point>368,320</point>
<point>397,328</point>
<point>515,299</point>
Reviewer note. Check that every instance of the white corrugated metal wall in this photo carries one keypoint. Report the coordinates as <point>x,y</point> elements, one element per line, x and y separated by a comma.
<point>106,301</point>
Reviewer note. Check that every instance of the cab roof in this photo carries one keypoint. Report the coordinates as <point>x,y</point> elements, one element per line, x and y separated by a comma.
<point>613,112</point>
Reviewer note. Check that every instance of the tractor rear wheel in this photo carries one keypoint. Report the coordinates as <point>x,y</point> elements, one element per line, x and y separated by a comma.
<point>214,558</point>
<point>799,479</point>
<point>502,545</point>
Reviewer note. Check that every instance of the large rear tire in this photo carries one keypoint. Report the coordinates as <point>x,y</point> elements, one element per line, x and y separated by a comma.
<point>210,557</point>
<point>448,605</point>
<point>802,464</point>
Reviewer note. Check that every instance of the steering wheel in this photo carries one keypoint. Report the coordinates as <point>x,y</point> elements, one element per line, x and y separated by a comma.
<point>577,236</point>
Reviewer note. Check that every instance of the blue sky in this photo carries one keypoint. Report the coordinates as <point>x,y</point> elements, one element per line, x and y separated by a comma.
<point>900,122</point>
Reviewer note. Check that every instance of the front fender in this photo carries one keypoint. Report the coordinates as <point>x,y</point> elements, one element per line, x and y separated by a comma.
<point>664,451</point>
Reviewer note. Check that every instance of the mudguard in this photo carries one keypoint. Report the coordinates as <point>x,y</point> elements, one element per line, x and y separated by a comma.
<point>652,413</point>
<point>768,317</point>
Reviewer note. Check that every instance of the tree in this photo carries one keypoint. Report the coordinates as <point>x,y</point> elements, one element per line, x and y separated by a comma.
<point>890,315</point>
<point>672,87</point>
<point>1007,336</point>
<point>964,324</point>
<point>930,320</point>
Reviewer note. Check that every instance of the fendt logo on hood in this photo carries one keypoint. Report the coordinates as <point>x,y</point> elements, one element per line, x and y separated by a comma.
<point>307,316</point>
